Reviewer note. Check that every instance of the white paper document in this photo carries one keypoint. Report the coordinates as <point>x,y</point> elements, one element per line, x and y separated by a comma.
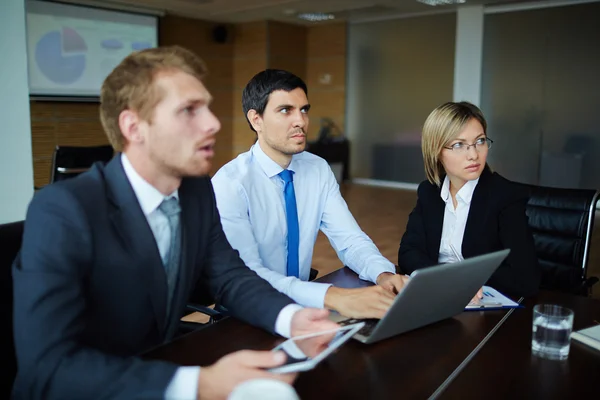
<point>492,299</point>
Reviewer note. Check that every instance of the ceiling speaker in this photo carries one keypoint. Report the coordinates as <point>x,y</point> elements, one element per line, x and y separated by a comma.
<point>220,33</point>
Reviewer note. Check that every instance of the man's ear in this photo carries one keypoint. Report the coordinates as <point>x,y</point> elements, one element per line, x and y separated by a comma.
<point>129,123</point>
<point>255,120</point>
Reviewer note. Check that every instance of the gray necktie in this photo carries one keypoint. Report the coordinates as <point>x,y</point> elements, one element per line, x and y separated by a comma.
<point>170,208</point>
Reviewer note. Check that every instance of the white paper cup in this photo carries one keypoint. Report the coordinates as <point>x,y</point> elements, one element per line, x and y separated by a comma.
<point>263,389</point>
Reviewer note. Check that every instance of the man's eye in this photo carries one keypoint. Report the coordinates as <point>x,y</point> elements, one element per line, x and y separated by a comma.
<point>304,111</point>
<point>284,110</point>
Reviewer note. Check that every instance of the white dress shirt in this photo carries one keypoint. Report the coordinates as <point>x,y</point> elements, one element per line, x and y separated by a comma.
<point>251,204</point>
<point>455,221</point>
<point>184,384</point>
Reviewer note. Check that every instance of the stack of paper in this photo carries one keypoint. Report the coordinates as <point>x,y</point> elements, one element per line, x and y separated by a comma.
<point>492,300</point>
<point>589,336</point>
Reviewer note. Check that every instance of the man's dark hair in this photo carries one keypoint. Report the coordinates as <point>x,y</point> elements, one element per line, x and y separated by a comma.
<point>257,91</point>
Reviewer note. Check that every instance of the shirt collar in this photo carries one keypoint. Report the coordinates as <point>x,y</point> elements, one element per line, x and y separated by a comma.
<point>148,196</point>
<point>465,193</point>
<point>270,167</point>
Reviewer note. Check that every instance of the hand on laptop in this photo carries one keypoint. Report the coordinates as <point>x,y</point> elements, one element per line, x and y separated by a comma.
<point>477,297</point>
<point>392,282</point>
<point>369,302</point>
<point>218,380</point>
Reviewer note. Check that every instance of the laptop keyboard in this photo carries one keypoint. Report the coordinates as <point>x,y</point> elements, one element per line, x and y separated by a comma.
<point>365,330</point>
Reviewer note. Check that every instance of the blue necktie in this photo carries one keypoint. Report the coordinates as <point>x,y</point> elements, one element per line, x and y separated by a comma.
<point>291,212</point>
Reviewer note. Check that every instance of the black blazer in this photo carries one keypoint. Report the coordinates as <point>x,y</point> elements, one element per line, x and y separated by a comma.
<point>90,289</point>
<point>496,221</point>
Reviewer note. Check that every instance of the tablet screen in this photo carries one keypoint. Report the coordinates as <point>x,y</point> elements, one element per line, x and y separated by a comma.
<point>304,352</point>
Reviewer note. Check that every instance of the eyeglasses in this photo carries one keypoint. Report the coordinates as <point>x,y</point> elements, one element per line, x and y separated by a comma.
<point>462,147</point>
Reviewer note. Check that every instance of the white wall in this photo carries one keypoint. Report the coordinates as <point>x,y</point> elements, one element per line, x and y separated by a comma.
<point>468,54</point>
<point>16,166</point>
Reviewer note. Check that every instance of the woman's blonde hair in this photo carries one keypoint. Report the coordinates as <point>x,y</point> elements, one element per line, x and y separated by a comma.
<point>443,125</point>
<point>131,85</point>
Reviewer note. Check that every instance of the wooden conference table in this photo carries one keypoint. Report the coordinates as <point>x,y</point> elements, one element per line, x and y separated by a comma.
<point>472,355</point>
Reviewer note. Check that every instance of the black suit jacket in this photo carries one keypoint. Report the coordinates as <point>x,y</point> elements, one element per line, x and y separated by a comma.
<point>496,221</point>
<point>90,289</point>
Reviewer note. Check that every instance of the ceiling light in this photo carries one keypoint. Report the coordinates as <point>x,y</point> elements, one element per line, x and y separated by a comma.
<point>441,2</point>
<point>315,17</point>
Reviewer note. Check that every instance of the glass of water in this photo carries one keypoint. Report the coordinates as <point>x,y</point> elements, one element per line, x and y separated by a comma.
<point>552,327</point>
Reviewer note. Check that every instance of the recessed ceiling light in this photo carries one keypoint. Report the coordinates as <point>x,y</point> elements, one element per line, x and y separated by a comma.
<point>315,17</point>
<point>441,2</point>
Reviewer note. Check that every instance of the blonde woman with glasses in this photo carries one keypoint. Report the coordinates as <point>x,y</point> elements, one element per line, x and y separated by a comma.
<point>464,209</point>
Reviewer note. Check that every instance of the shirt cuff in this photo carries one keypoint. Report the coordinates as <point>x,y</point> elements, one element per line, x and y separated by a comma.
<point>371,272</point>
<point>184,385</point>
<point>283,323</point>
<point>309,294</point>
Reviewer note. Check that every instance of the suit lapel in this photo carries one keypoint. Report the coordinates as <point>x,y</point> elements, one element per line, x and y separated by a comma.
<point>437,217</point>
<point>132,226</point>
<point>478,214</point>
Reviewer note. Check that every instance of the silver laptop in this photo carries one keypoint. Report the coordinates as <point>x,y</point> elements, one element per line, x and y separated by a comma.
<point>431,294</point>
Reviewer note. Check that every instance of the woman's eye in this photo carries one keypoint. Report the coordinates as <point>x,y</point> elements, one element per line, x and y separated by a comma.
<point>458,145</point>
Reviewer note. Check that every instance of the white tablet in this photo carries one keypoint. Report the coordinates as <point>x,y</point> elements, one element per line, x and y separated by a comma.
<point>305,352</point>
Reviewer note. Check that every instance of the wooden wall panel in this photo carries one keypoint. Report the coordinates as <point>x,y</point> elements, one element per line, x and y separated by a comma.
<point>287,47</point>
<point>328,40</point>
<point>77,111</point>
<point>41,172</point>
<point>317,68</point>
<point>295,65</point>
<point>326,74</point>
<point>43,138</point>
<point>250,57</point>
<point>61,124</point>
<point>250,40</point>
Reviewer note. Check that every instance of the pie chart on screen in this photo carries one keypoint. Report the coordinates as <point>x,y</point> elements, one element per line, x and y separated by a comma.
<point>61,56</point>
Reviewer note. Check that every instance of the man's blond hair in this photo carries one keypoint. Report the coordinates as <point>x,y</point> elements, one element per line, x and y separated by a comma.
<point>442,126</point>
<point>130,86</point>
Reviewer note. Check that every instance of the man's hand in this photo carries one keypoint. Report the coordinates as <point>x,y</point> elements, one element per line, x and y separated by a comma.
<point>311,320</point>
<point>477,297</point>
<point>218,380</point>
<point>392,282</point>
<point>369,302</point>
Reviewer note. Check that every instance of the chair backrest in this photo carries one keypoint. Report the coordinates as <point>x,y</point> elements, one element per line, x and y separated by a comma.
<point>11,236</point>
<point>70,161</point>
<point>562,221</point>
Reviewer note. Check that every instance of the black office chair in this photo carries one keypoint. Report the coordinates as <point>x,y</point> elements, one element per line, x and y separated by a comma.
<point>11,236</point>
<point>70,161</point>
<point>562,221</point>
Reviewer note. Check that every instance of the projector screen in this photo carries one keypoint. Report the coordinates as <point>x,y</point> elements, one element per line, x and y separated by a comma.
<point>71,49</point>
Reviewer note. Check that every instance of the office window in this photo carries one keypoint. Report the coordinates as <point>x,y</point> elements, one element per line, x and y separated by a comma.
<point>398,72</point>
<point>540,81</point>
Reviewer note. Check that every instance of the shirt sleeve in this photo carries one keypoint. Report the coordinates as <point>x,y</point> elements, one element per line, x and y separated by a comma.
<point>233,211</point>
<point>184,384</point>
<point>283,324</point>
<point>354,248</point>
